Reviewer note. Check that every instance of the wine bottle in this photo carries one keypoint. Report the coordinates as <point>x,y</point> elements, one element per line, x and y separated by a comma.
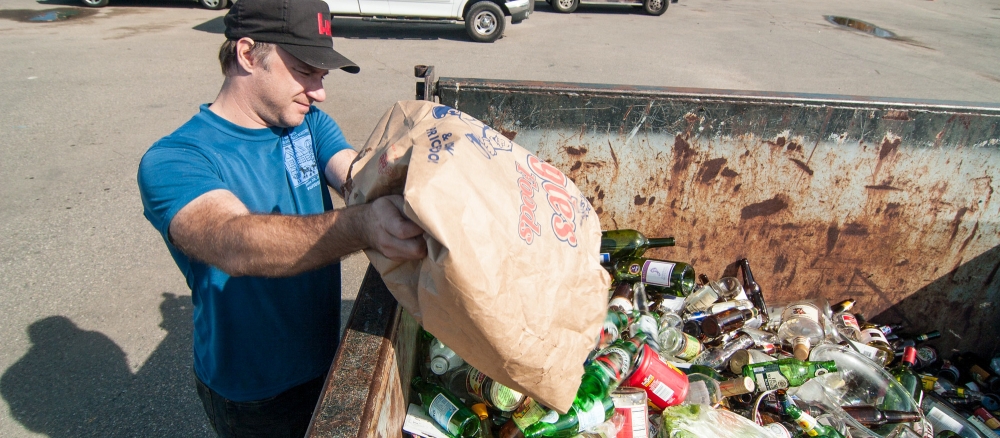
<point>622,244</point>
<point>671,276</point>
<point>449,413</point>
<point>788,372</point>
<point>753,290</point>
<point>903,373</point>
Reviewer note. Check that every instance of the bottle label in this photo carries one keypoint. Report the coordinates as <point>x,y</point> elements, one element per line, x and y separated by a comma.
<point>635,421</point>
<point>657,273</point>
<point>870,335</point>
<point>530,412</point>
<point>551,417</point>
<point>807,311</point>
<point>474,384</point>
<point>941,421</point>
<point>869,352</point>
<point>591,417</point>
<point>617,359</point>
<point>610,333</point>
<point>441,410</point>
<point>850,321</point>
<point>768,377</point>
<point>503,398</point>
<point>605,258</point>
<point>622,303</point>
<point>691,347</point>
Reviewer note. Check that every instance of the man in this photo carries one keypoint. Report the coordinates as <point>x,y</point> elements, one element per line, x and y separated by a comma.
<point>240,195</point>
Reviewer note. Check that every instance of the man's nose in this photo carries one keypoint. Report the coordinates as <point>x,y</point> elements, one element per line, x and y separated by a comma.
<point>316,91</point>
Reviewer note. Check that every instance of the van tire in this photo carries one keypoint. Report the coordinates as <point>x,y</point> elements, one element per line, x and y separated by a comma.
<point>484,22</point>
<point>655,7</point>
<point>565,6</point>
<point>95,3</point>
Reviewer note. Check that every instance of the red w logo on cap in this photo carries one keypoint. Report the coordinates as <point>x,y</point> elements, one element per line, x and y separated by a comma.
<point>324,25</point>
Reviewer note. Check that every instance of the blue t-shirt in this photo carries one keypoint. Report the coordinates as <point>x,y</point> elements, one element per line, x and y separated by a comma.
<point>254,337</point>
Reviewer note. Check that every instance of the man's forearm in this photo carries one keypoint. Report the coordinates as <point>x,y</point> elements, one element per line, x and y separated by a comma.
<point>284,245</point>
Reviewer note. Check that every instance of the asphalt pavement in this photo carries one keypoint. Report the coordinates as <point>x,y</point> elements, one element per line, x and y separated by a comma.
<point>96,319</point>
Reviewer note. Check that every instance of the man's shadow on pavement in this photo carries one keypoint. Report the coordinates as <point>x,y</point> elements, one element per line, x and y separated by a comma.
<point>75,383</point>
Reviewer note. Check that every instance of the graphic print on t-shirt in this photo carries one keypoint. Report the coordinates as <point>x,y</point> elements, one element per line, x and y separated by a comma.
<point>300,161</point>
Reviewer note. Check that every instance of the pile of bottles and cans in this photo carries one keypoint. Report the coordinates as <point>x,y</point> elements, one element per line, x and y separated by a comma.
<point>681,357</point>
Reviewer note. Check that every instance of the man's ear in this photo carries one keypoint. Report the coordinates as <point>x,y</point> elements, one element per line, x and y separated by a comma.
<point>246,62</point>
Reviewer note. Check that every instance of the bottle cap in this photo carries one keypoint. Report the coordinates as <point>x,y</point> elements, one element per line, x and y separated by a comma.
<point>439,365</point>
<point>737,386</point>
<point>801,347</point>
<point>909,356</point>
<point>480,410</point>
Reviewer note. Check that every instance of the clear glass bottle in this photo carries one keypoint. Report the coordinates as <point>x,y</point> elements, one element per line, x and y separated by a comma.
<point>716,358</point>
<point>845,321</point>
<point>675,343</point>
<point>704,296</point>
<point>800,328</point>
<point>443,359</point>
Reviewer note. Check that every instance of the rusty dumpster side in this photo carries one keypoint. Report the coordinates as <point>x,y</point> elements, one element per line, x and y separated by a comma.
<point>888,201</point>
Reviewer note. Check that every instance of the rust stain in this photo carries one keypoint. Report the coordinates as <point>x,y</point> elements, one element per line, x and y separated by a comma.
<point>682,154</point>
<point>729,173</point>
<point>599,210</point>
<point>652,199</point>
<point>901,115</point>
<point>509,134</point>
<point>576,166</point>
<point>883,187</point>
<point>613,156</point>
<point>802,165</point>
<point>855,229</point>
<point>780,263</point>
<point>765,208</point>
<point>576,151</point>
<point>778,142</point>
<point>639,200</point>
<point>832,235</point>
<point>888,147</point>
<point>955,223</point>
<point>691,117</point>
<point>793,147</point>
<point>710,169</point>
<point>600,193</point>
<point>736,188</point>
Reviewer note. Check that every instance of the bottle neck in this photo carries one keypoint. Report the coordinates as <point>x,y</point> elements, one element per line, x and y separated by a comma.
<point>661,242</point>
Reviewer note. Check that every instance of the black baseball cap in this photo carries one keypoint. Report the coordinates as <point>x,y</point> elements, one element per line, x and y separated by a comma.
<point>300,27</point>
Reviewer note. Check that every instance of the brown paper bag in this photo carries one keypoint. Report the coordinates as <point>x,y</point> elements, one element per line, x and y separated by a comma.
<point>512,281</point>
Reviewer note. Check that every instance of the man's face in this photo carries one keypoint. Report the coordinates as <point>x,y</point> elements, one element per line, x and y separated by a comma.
<point>284,88</point>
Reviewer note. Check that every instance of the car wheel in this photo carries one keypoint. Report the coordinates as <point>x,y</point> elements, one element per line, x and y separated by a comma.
<point>655,7</point>
<point>213,4</point>
<point>95,3</point>
<point>565,6</point>
<point>484,22</point>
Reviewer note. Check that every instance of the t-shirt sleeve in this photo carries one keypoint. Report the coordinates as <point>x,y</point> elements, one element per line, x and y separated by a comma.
<point>170,178</point>
<point>327,137</point>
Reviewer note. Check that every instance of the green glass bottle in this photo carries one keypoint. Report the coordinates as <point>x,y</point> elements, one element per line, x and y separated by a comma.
<point>621,244</point>
<point>676,278</point>
<point>449,413</point>
<point>904,373</point>
<point>573,422</point>
<point>783,373</point>
<point>603,374</point>
<point>808,424</point>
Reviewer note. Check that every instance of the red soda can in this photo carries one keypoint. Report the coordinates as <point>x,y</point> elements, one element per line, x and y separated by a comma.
<point>665,385</point>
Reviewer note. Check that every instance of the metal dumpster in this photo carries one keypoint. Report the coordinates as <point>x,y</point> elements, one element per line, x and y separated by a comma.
<point>887,201</point>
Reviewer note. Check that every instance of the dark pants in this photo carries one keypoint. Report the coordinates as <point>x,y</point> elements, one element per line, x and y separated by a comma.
<point>284,415</point>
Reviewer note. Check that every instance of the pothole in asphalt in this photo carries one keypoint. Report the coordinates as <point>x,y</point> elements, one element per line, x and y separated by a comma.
<point>45,15</point>
<point>859,25</point>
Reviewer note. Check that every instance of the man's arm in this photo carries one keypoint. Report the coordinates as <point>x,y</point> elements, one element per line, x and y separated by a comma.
<point>217,229</point>
<point>338,168</point>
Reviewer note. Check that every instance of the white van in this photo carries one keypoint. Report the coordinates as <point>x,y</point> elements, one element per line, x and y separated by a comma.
<point>484,19</point>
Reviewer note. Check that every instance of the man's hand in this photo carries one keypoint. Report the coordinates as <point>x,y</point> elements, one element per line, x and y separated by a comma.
<point>392,234</point>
